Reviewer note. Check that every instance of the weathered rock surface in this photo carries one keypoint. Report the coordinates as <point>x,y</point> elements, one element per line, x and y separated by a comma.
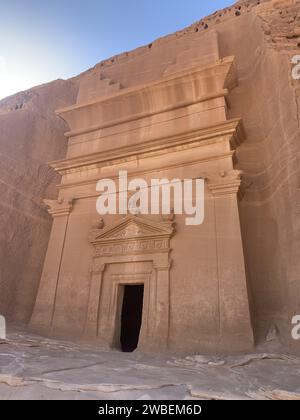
<point>30,136</point>
<point>32,367</point>
<point>263,36</point>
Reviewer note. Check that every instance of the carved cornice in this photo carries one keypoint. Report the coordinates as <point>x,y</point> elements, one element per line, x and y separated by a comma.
<point>60,207</point>
<point>224,183</point>
<point>231,131</point>
<point>221,71</point>
<point>223,62</point>
<point>183,104</point>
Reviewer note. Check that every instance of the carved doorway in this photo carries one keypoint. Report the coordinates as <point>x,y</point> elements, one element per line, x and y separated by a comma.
<point>131,316</point>
<point>134,251</point>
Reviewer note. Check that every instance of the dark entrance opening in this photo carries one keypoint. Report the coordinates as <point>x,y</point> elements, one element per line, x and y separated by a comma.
<point>131,317</point>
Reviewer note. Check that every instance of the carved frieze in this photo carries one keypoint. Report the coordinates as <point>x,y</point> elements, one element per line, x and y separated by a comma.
<point>132,247</point>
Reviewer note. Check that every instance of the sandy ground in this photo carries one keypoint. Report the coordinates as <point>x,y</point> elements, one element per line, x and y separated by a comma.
<point>33,367</point>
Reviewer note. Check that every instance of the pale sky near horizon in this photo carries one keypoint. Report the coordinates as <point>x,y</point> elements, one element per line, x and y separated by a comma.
<point>45,40</point>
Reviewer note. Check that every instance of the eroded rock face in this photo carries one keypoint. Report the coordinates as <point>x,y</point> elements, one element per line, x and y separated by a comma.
<point>263,36</point>
<point>30,136</point>
<point>267,100</point>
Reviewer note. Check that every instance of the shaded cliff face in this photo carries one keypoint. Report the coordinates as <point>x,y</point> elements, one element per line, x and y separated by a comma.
<point>267,100</point>
<point>30,135</point>
<point>263,36</point>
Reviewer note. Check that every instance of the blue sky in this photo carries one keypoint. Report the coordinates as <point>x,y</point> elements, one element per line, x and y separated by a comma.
<point>45,40</point>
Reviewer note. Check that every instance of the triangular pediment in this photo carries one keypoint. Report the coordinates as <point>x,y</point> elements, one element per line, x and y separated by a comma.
<point>134,227</point>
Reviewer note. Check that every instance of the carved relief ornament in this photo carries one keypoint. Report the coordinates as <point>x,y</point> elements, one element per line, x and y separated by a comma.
<point>134,234</point>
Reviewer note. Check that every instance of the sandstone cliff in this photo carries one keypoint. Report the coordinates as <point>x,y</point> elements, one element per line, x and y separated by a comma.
<point>263,36</point>
<point>30,135</point>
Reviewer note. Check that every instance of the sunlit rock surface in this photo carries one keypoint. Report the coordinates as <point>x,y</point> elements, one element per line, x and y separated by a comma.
<point>263,38</point>
<point>33,367</point>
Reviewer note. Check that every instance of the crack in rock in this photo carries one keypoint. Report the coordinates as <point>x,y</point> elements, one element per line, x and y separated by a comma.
<point>70,368</point>
<point>105,388</point>
<point>274,394</point>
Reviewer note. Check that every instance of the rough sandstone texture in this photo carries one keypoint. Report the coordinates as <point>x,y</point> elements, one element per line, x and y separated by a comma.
<point>34,368</point>
<point>263,36</point>
<point>30,135</point>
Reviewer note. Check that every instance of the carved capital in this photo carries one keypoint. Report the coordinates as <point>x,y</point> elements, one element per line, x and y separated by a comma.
<point>97,269</point>
<point>224,183</point>
<point>60,207</point>
<point>162,265</point>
